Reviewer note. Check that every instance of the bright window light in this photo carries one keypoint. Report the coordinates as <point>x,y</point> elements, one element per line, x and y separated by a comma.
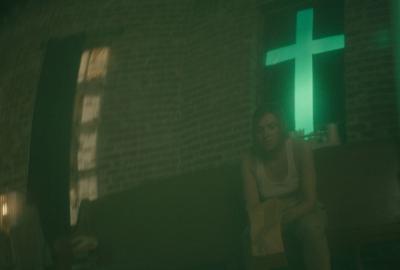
<point>87,151</point>
<point>93,64</point>
<point>87,188</point>
<point>90,108</point>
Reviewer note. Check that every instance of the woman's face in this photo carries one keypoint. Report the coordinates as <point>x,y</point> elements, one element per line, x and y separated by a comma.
<point>268,132</point>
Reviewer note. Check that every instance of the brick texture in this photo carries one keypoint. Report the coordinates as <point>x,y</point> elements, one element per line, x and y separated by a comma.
<point>369,71</point>
<point>182,82</point>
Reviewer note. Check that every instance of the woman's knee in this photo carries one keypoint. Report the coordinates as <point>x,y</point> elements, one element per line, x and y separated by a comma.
<point>311,226</point>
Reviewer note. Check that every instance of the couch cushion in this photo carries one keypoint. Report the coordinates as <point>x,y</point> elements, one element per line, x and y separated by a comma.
<point>193,219</point>
<point>359,184</point>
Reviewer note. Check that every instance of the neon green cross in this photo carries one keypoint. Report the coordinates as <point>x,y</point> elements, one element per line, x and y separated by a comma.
<point>302,52</point>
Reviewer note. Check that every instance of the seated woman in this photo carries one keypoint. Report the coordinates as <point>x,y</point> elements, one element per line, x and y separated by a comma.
<point>279,178</point>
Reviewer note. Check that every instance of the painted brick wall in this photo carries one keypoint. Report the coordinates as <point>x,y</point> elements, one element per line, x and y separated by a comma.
<point>217,96</point>
<point>182,82</point>
<point>369,71</point>
<point>190,107</point>
<point>177,92</point>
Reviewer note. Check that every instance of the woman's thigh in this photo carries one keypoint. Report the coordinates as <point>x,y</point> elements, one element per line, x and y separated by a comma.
<point>311,225</point>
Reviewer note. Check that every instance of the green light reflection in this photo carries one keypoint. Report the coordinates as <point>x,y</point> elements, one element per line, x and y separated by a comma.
<point>302,52</point>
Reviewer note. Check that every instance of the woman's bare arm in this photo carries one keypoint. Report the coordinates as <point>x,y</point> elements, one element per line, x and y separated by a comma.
<point>249,184</point>
<point>306,170</point>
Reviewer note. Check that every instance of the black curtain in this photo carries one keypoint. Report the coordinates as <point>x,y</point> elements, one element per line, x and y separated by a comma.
<point>49,164</point>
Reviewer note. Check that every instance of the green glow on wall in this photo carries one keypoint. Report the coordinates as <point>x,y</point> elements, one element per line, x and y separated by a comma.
<point>396,29</point>
<point>302,52</point>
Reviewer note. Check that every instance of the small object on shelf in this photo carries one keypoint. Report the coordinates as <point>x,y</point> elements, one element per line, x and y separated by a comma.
<point>323,137</point>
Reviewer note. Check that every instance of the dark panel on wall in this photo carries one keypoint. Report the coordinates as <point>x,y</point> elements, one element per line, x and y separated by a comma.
<point>49,167</point>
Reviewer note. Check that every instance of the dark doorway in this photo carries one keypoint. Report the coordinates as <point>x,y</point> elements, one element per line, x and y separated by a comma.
<point>49,165</point>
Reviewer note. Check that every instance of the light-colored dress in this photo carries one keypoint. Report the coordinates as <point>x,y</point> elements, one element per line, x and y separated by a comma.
<point>271,188</point>
<point>276,196</point>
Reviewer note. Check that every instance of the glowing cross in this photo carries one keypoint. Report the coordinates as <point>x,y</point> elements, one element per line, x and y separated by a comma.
<point>302,52</point>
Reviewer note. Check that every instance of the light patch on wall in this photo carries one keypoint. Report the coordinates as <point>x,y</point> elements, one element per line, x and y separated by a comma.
<point>73,205</point>
<point>87,151</point>
<point>90,108</point>
<point>83,66</point>
<point>4,205</point>
<point>8,210</point>
<point>87,188</point>
<point>93,64</point>
<point>91,77</point>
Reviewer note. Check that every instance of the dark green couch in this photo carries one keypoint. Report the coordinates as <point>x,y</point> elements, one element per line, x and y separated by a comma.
<point>192,221</point>
<point>196,220</point>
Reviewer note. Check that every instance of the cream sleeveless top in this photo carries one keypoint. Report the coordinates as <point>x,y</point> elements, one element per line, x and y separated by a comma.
<point>269,188</point>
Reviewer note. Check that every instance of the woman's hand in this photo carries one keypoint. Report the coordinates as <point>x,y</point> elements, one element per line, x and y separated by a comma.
<point>305,162</point>
<point>296,212</point>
